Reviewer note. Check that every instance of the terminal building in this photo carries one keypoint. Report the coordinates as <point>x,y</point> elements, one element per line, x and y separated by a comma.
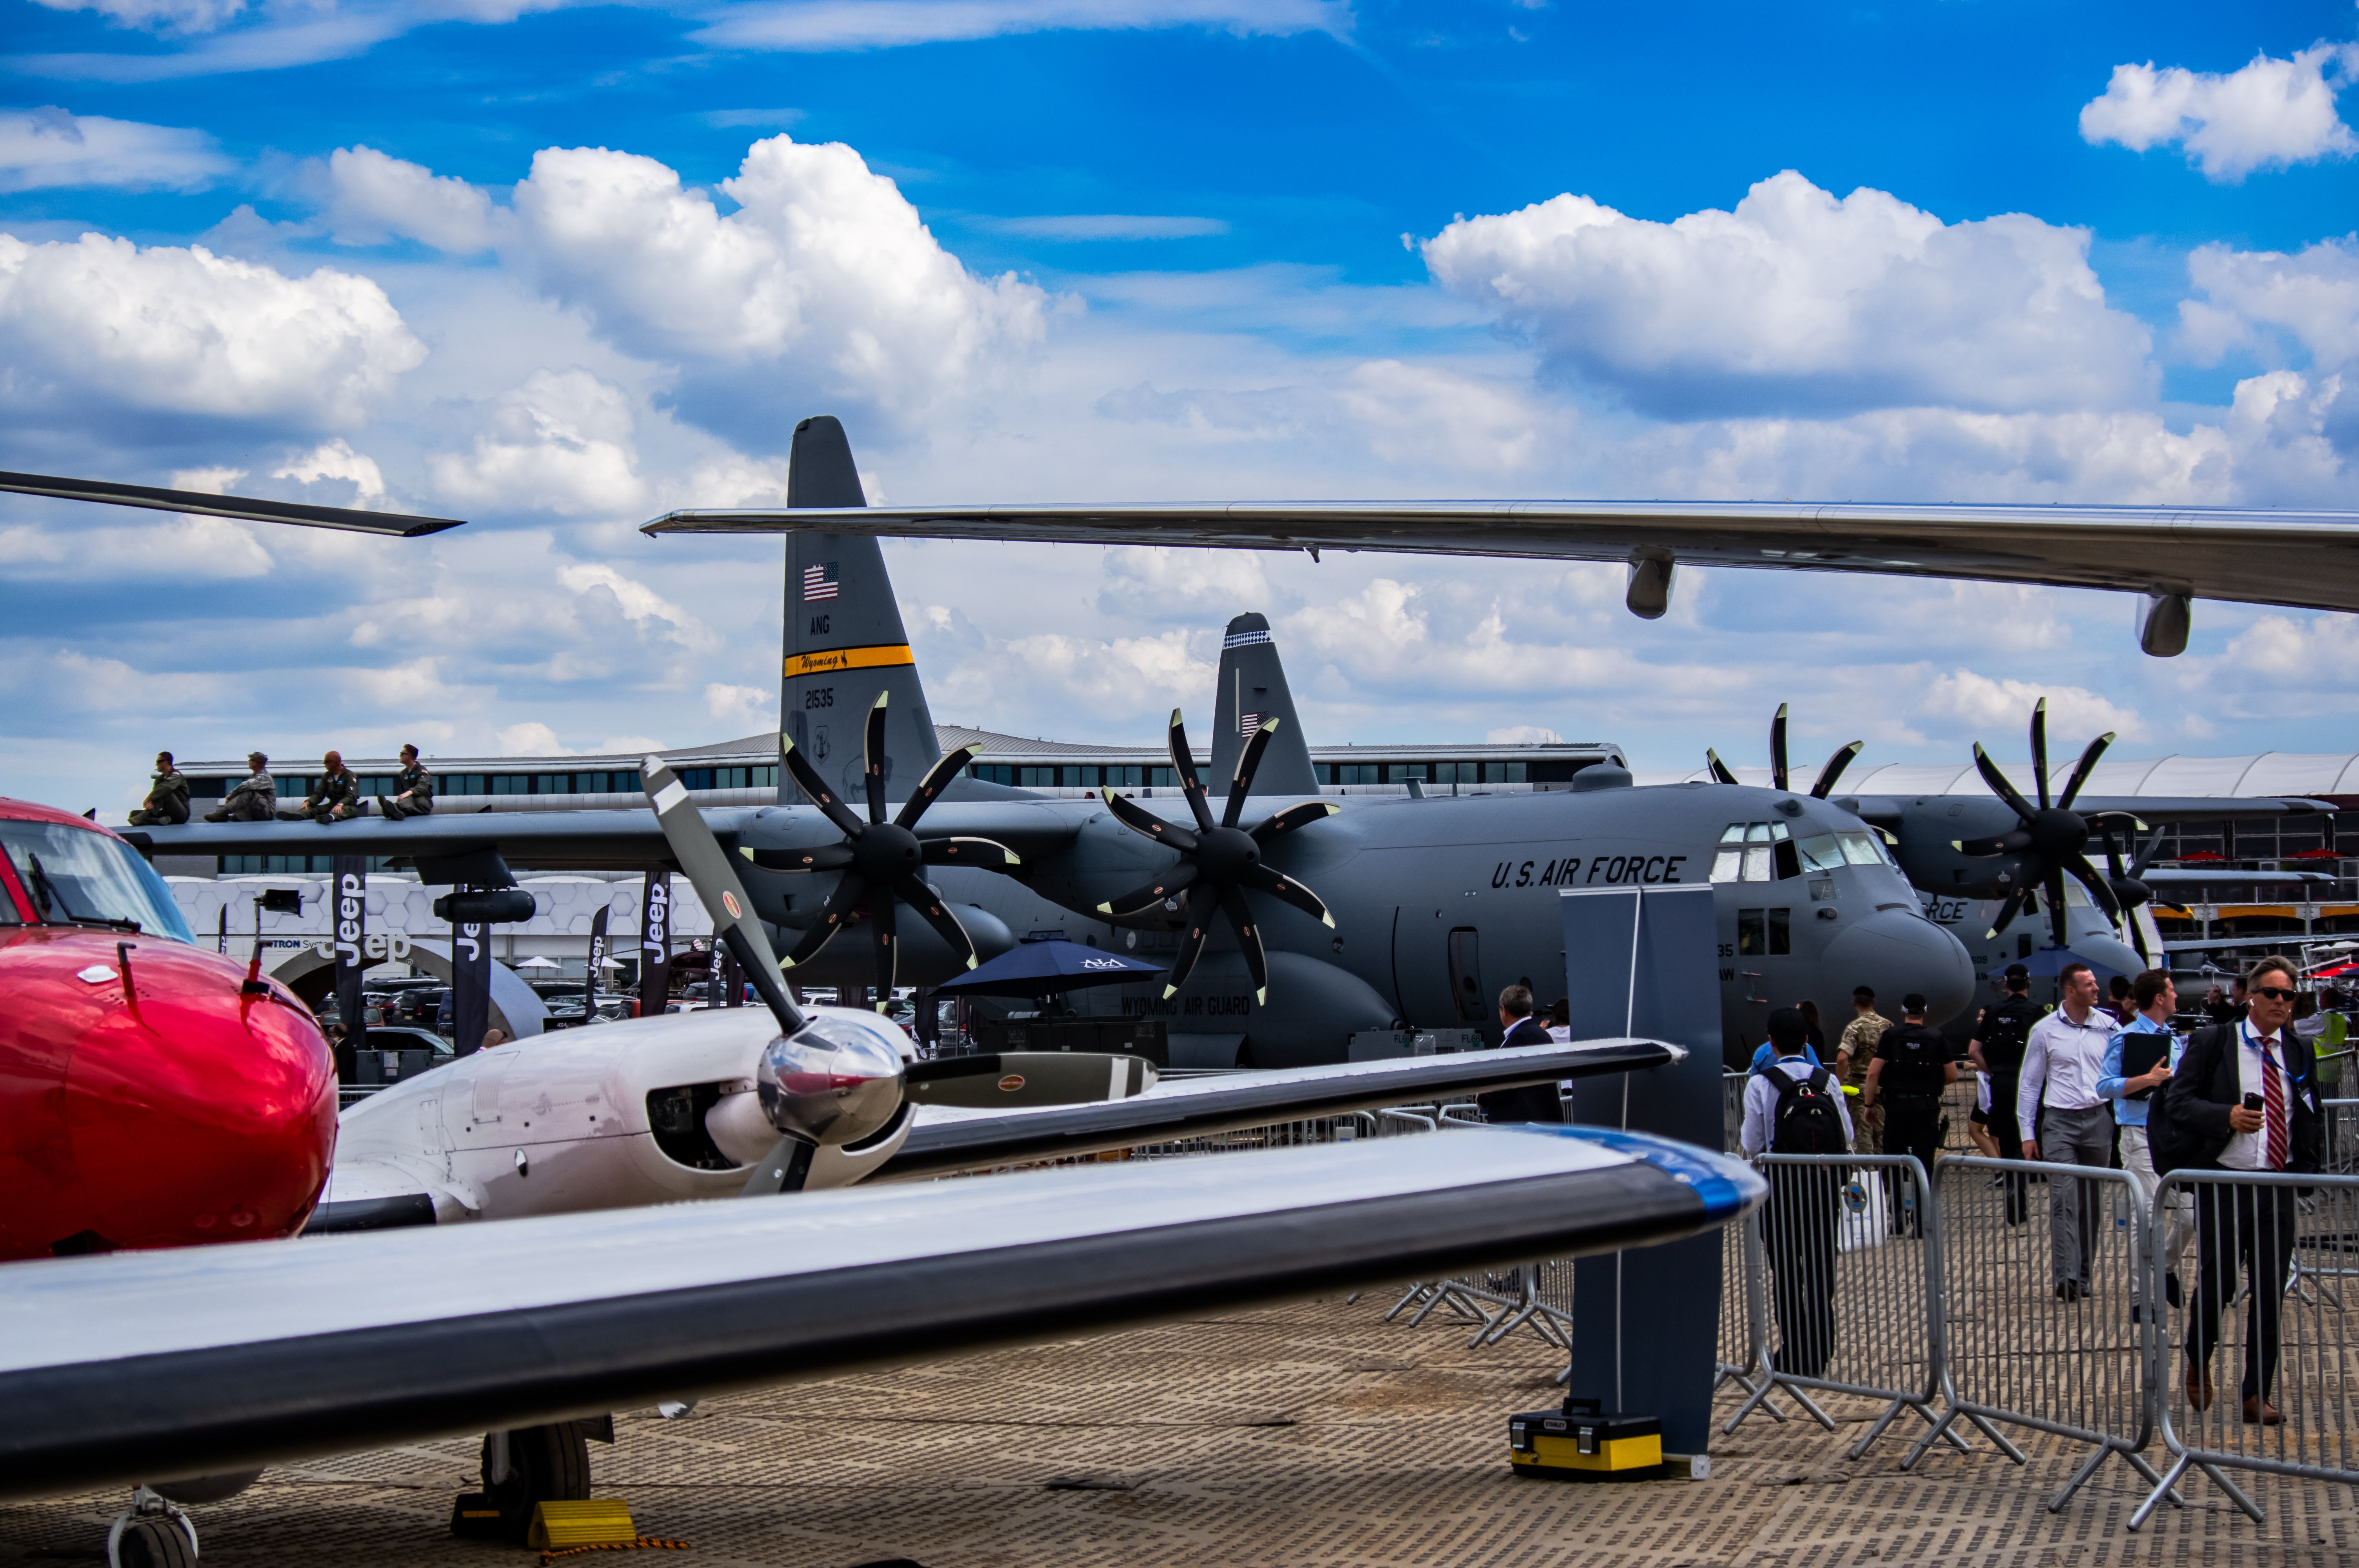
<point>745,772</point>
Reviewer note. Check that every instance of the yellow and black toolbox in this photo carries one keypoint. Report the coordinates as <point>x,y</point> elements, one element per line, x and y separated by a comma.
<point>1584,1442</point>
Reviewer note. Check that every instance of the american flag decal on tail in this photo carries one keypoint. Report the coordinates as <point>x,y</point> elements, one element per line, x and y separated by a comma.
<point>1247,723</point>
<point>819,582</point>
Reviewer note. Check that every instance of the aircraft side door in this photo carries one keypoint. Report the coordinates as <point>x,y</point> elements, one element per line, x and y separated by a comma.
<point>1466,975</point>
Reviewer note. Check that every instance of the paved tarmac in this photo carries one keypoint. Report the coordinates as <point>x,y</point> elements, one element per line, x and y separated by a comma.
<point>1311,1434</point>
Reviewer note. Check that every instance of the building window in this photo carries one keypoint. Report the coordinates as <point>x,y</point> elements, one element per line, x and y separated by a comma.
<point>1503,772</point>
<point>1401,772</point>
<point>510,784</point>
<point>1163,778</point>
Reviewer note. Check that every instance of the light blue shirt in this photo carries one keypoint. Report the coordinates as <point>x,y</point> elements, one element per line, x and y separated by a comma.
<point>1768,1054</point>
<point>2112,1082</point>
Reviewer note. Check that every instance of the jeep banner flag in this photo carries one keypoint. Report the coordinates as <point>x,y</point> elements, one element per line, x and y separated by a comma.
<point>348,915</point>
<point>655,945</point>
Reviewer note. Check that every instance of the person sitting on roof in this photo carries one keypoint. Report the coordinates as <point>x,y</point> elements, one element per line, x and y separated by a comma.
<point>334,797</point>
<point>166,805</point>
<point>254,799</point>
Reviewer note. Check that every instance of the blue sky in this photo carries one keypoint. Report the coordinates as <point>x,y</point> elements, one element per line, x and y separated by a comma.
<point>1093,249</point>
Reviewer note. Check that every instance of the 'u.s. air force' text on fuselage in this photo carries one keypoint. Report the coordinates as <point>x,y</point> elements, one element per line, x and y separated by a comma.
<point>1605,871</point>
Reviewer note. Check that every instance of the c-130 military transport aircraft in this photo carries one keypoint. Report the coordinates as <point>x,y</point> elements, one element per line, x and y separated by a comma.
<point>1292,920</point>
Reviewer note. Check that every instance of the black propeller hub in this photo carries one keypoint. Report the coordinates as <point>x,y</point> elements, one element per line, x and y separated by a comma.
<point>2058,834</point>
<point>1223,855</point>
<point>888,849</point>
<point>2131,892</point>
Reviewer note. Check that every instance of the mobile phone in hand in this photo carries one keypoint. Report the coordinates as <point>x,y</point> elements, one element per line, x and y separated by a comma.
<point>2252,1102</point>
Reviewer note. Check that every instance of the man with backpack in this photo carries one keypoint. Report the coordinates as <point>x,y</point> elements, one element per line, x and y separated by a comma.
<point>2001,1037</point>
<point>2243,1097</point>
<point>1911,1068</point>
<point>1798,1109</point>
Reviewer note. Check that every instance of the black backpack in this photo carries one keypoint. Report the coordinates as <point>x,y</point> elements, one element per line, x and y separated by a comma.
<point>1805,1119</point>
<point>2005,1033</point>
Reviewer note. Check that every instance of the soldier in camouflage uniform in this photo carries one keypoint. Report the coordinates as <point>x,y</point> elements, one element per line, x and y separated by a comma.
<point>166,805</point>
<point>413,789</point>
<point>336,798</point>
<point>255,798</point>
<point>1853,1054</point>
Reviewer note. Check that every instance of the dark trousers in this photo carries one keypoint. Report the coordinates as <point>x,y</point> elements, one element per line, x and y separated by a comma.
<point>2251,1228</point>
<point>1798,1227</point>
<point>1912,1125</point>
<point>2009,1133</point>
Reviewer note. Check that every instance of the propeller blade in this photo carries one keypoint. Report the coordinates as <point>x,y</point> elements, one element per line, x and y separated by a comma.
<point>708,869</point>
<point>884,936</point>
<point>825,858</point>
<point>815,789</point>
<point>937,779</point>
<point>872,757</point>
<point>1240,921</point>
<point>1778,749</point>
<point>2083,768</point>
<point>931,909</point>
<point>2001,785</point>
<point>2113,848</point>
<point>2137,937</point>
<point>2145,855</point>
<point>1280,824</point>
<point>2055,901</point>
<point>2040,757</point>
<point>1183,763</point>
<point>1834,769</point>
<point>1192,947</point>
<point>1241,782</point>
<point>983,854</point>
<point>2014,841</point>
<point>1137,900</point>
<point>1263,879</point>
<point>833,916</point>
<point>2006,913</point>
<point>1720,771</point>
<point>1138,819</point>
<point>2099,889</point>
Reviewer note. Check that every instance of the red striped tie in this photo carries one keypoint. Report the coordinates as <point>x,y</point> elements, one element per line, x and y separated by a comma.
<point>2273,1109</point>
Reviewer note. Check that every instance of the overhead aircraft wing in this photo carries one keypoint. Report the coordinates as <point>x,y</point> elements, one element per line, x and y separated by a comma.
<point>246,508</point>
<point>2303,558</point>
<point>946,1141</point>
<point>2195,876</point>
<point>144,1366</point>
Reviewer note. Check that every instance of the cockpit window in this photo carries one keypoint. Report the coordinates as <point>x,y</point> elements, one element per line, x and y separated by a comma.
<point>76,876</point>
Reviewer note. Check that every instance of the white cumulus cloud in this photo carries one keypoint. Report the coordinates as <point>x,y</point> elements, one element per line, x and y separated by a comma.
<point>1798,300</point>
<point>2312,296</point>
<point>161,15</point>
<point>372,197</point>
<point>48,147</point>
<point>1991,707</point>
<point>101,322</point>
<point>560,442</point>
<point>2269,115</point>
<point>824,269</point>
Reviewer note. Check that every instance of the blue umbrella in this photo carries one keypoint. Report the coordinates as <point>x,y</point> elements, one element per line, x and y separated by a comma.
<point>2051,961</point>
<point>1040,968</point>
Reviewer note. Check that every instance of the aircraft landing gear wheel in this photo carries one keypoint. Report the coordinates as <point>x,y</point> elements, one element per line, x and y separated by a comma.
<point>541,1464</point>
<point>151,1533</point>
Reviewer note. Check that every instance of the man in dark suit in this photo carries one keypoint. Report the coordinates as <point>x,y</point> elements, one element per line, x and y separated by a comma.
<point>2244,1098</point>
<point>1533,1102</point>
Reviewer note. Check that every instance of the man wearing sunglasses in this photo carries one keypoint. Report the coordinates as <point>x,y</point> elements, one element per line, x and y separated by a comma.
<point>2244,1098</point>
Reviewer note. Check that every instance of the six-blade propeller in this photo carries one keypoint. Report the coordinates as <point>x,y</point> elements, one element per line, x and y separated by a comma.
<point>1218,860</point>
<point>1778,775</point>
<point>880,859</point>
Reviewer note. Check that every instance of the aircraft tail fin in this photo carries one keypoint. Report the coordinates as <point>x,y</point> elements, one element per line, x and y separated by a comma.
<point>1253,694</point>
<point>845,645</point>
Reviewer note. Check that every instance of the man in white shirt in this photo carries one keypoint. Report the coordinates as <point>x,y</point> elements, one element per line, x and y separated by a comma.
<point>2244,1098</point>
<point>1795,1106</point>
<point>2066,1120</point>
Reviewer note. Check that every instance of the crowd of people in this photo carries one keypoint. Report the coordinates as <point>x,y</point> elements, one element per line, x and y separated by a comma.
<point>2103,1080</point>
<point>335,795</point>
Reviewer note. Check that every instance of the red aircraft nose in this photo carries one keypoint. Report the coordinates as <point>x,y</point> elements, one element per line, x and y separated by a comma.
<point>182,1111</point>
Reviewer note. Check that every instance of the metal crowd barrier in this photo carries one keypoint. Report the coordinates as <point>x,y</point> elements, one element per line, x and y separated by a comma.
<point>2040,1292</point>
<point>1887,1342</point>
<point>2255,1370</point>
